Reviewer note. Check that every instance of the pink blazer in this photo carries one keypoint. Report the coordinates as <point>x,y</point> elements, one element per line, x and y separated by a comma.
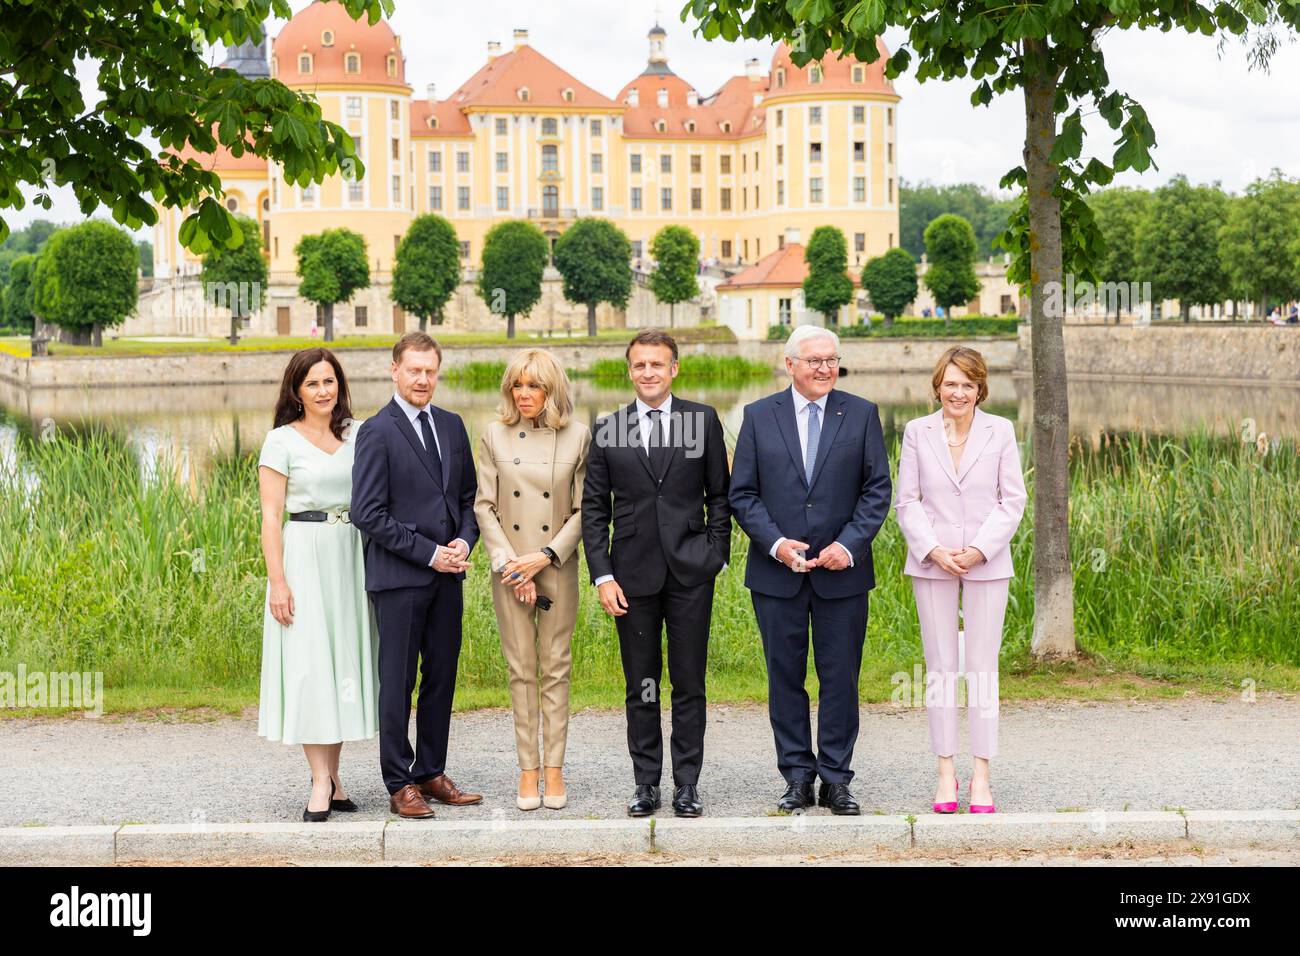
<point>979,506</point>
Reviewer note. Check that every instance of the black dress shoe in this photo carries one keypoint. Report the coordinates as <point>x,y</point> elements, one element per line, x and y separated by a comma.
<point>686,801</point>
<point>342,806</point>
<point>839,799</point>
<point>797,796</point>
<point>645,802</point>
<point>319,816</point>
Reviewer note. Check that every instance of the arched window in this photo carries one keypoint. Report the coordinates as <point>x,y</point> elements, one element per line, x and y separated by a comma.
<point>726,126</point>
<point>392,65</point>
<point>352,63</point>
<point>690,126</point>
<point>780,76</point>
<point>232,204</point>
<point>661,126</point>
<point>433,122</point>
<point>568,94</point>
<point>523,93</point>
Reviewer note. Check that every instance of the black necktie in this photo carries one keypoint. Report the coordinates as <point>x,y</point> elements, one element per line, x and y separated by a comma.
<point>430,445</point>
<point>658,450</point>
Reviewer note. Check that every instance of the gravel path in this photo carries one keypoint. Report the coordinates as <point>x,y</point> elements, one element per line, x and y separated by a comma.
<point>1196,754</point>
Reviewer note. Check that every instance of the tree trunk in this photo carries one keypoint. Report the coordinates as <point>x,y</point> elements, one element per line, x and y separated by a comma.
<point>671,307</point>
<point>329,322</point>
<point>591,319</point>
<point>1053,583</point>
<point>97,335</point>
<point>234,329</point>
<point>1185,310</point>
<point>510,326</point>
<point>424,322</point>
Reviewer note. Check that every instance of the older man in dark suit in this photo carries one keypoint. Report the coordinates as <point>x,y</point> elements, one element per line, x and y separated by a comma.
<point>810,486</point>
<point>413,487</point>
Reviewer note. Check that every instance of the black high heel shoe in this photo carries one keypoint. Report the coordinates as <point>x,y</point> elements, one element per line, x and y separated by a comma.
<point>342,806</point>
<point>319,816</point>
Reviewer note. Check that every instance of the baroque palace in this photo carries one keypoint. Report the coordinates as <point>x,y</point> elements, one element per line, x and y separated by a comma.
<point>775,152</point>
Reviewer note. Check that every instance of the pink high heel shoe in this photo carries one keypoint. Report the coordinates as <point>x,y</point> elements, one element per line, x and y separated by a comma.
<point>982,808</point>
<point>951,805</point>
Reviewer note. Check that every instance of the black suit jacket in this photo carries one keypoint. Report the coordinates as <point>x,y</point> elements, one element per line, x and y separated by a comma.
<point>659,520</point>
<point>847,500</point>
<point>401,507</point>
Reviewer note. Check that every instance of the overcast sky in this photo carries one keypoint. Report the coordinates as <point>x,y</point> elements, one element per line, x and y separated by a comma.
<point>1214,119</point>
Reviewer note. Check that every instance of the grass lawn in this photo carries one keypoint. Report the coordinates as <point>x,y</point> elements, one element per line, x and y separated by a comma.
<point>115,347</point>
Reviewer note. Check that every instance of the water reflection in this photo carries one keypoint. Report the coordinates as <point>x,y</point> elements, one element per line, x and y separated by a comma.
<point>189,426</point>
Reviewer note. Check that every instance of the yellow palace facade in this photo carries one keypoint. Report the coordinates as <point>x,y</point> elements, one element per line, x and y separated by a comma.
<point>775,152</point>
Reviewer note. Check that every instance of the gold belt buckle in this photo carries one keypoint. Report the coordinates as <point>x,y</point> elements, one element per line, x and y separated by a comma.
<point>336,517</point>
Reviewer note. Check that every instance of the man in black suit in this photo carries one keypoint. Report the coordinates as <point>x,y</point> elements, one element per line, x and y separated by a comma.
<point>653,469</point>
<point>413,487</point>
<point>810,486</point>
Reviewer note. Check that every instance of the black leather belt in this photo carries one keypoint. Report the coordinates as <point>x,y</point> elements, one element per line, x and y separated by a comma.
<point>329,517</point>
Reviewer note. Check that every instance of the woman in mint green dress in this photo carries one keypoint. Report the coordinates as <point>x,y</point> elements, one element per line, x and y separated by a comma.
<point>319,647</point>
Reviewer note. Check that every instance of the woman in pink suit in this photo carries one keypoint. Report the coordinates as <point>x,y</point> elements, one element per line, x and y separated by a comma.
<point>960,497</point>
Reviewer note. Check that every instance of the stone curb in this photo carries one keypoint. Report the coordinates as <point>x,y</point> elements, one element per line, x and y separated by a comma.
<point>418,841</point>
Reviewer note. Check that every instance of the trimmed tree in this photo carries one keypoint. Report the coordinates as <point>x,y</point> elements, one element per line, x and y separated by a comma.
<point>1119,212</point>
<point>950,249</point>
<point>1048,52</point>
<point>1258,239</point>
<point>676,253</point>
<point>827,288</point>
<point>595,259</point>
<point>18,294</point>
<point>890,281</point>
<point>157,93</point>
<point>510,275</point>
<point>233,278</point>
<point>87,280</point>
<point>333,267</point>
<point>427,268</point>
<point>1178,244</point>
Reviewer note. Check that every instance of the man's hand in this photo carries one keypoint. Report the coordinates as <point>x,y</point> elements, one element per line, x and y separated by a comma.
<point>968,557</point>
<point>612,599</point>
<point>833,557</point>
<point>461,549</point>
<point>451,560</point>
<point>944,557</point>
<point>786,555</point>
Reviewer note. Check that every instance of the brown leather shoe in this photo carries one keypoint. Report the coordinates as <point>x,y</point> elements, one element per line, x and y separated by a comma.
<point>408,804</point>
<point>441,788</point>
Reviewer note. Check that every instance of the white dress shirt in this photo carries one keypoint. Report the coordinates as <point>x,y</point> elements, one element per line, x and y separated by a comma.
<point>801,423</point>
<point>412,414</point>
<point>643,423</point>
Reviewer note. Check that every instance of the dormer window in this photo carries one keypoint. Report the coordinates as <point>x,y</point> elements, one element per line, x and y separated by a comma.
<point>858,74</point>
<point>568,94</point>
<point>780,76</point>
<point>352,63</point>
<point>304,62</point>
<point>725,126</point>
<point>815,73</point>
<point>523,93</point>
<point>690,126</point>
<point>433,122</point>
<point>661,126</point>
<point>392,65</point>
<point>327,38</point>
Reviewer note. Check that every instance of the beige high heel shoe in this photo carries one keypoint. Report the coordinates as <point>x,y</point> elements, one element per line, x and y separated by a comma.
<point>528,803</point>
<point>557,802</point>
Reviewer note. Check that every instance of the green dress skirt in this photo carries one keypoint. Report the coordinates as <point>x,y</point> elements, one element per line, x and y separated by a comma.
<point>319,675</point>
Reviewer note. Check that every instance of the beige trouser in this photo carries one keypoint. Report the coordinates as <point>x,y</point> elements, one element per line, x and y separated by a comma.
<point>534,640</point>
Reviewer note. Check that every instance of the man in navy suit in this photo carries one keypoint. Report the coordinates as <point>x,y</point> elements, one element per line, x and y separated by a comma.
<point>810,486</point>
<point>413,487</point>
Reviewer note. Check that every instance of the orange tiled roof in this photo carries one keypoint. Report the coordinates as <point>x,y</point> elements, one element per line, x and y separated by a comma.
<point>733,104</point>
<point>785,268</point>
<point>497,83</point>
<point>221,161</point>
<point>304,34</point>
<point>837,74</point>
<point>451,121</point>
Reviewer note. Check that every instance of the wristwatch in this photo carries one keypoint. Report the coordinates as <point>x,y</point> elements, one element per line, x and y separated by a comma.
<point>555,558</point>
